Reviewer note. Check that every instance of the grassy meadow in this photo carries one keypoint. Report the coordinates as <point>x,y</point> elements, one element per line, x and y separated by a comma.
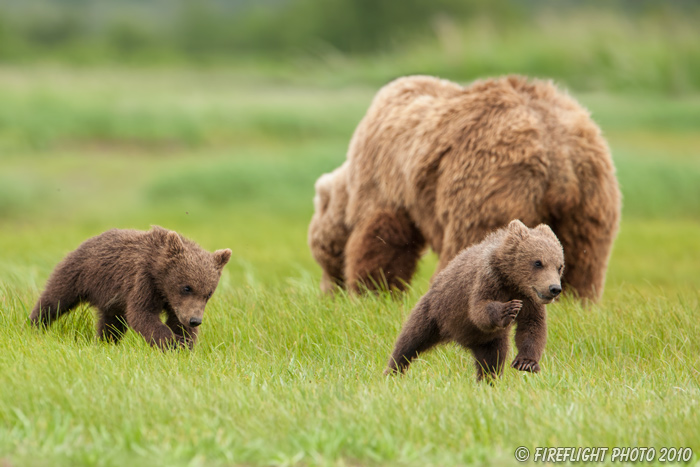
<point>282,375</point>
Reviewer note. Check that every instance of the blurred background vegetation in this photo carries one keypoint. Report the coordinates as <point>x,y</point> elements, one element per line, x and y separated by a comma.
<point>623,45</point>
<point>216,117</point>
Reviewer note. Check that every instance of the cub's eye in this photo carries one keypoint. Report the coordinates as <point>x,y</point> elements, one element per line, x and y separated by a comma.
<point>560,268</point>
<point>186,290</point>
<point>538,264</point>
<point>208,296</point>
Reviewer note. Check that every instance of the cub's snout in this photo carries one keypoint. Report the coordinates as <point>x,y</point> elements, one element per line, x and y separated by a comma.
<point>194,322</point>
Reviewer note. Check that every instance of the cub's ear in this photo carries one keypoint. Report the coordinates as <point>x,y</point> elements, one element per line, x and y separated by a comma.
<point>545,229</point>
<point>221,257</point>
<point>173,243</point>
<point>156,229</point>
<point>518,229</point>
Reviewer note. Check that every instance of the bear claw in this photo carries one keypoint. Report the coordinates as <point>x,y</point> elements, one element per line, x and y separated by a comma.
<point>525,364</point>
<point>510,312</point>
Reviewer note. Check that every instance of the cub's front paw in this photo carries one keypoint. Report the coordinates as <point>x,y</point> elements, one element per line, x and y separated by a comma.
<point>178,341</point>
<point>187,341</point>
<point>190,343</point>
<point>525,364</point>
<point>510,311</point>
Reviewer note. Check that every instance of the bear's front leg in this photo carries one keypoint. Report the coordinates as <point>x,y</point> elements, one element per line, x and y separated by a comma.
<point>146,321</point>
<point>188,333</point>
<point>530,338</point>
<point>110,327</point>
<point>382,252</point>
<point>489,316</point>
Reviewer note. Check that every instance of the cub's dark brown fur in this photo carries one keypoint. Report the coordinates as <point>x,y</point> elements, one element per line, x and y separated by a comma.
<point>131,277</point>
<point>509,277</point>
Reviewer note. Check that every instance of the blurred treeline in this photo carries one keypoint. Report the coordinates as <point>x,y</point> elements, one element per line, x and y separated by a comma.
<point>616,44</point>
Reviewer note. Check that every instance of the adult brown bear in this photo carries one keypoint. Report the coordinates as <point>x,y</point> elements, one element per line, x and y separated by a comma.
<point>434,163</point>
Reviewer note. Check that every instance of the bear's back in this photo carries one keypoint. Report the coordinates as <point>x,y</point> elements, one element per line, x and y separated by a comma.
<point>104,267</point>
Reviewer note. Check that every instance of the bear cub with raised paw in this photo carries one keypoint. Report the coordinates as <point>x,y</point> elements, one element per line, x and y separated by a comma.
<point>132,277</point>
<point>507,278</point>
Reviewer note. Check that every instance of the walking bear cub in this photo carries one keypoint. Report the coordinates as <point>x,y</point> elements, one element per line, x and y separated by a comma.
<point>131,277</point>
<point>509,277</point>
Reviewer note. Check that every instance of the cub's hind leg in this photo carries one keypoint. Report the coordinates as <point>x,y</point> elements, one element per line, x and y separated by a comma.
<point>57,300</point>
<point>420,333</point>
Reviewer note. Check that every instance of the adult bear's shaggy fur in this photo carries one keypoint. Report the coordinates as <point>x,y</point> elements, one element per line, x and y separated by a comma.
<point>434,163</point>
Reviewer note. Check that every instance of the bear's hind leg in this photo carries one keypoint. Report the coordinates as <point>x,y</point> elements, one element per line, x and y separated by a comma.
<point>490,358</point>
<point>420,333</point>
<point>54,302</point>
<point>587,236</point>
<point>587,226</point>
<point>383,251</point>
<point>587,247</point>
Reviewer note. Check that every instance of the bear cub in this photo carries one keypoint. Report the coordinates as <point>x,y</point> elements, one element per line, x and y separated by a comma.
<point>509,277</point>
<point>131,277</point>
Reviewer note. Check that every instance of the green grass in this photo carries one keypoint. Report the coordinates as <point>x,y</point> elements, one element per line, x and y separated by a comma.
<point>282,375</point>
